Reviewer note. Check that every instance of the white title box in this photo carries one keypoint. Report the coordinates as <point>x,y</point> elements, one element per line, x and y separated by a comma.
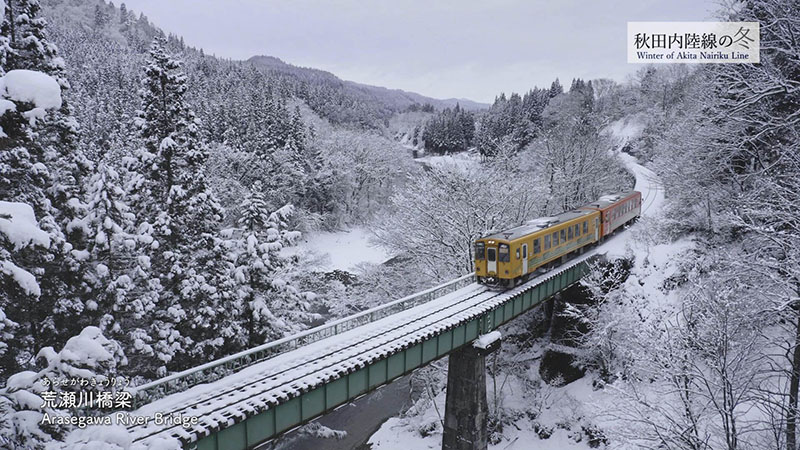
<point>693,42</point>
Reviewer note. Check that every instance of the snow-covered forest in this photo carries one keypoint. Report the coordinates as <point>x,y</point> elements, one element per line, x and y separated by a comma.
<point>156,206</point>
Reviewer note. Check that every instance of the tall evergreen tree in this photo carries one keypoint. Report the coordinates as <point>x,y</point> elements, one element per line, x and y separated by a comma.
<point>272,306</point>
<point>118,307</point>
<point>452,130</point>
<point>556,88</point>
<point>182,217</point>
<point>41,167</point>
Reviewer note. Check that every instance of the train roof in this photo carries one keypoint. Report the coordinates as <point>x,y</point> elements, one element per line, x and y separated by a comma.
<point>535,225</point>
<point>608,200</point>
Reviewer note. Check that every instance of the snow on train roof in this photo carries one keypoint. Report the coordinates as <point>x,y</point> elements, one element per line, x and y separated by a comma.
<point>609,199</point>
<point>535,225</point>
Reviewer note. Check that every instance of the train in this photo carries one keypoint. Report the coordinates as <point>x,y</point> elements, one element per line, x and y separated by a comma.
<point>508,258</point>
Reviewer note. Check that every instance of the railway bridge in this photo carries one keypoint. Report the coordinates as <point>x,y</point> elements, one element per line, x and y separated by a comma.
<point>257,395</point>
<point>252,397</point>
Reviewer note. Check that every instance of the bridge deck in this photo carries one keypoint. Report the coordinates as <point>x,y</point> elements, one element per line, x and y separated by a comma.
<point>261,401</point>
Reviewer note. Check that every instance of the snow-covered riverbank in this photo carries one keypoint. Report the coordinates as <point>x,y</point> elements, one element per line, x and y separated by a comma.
<point>340,250</point>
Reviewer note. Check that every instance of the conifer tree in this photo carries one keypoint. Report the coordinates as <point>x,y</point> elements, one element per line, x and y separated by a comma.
<point>182,217</point>
<point>556,88</point>
<point>40,167</point>
<point>100,17</point>
<point>118,307</point>
<point>272,306</point>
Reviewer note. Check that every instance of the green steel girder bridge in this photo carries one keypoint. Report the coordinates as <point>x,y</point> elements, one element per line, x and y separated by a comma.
<point>252,397</point>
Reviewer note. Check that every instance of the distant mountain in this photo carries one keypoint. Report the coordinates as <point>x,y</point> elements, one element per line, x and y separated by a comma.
<point>394,99</point>
<point>95,34</point>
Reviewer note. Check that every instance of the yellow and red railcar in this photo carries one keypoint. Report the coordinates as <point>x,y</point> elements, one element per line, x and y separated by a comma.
<point>511,256</point>
<point>506,257</point>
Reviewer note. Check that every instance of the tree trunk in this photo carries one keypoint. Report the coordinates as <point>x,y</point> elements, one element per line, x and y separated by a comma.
<point>794,384</point>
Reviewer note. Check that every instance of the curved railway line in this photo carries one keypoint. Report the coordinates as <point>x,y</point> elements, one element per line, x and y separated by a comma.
<point>265,384</point>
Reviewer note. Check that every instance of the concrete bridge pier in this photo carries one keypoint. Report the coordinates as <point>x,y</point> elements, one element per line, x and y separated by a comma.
<point>466,410</point>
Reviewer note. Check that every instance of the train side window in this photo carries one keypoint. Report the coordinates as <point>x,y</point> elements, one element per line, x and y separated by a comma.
<point>524,251</point>
<point>503,253</point>
<point>555,238</point>
<point>563,235</point>
<point>536,246</point>
<point>547,242</point>
<point>480,250</point>
<point>577,229</point>
<point>585,226</point>
<point>570,233</point>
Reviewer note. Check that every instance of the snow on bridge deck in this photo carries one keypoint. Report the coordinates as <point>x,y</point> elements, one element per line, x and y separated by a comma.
<point>266,384</point>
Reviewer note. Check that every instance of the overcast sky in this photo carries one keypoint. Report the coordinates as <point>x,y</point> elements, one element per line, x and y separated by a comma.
<point>461,48</point>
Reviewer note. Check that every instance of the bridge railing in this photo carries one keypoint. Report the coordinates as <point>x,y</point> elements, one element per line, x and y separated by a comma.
<point>222,367</point>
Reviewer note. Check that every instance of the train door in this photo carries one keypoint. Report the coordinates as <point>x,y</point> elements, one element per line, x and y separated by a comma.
<point>596,229</point>
<point>524,259</point>
<point>491,260</point>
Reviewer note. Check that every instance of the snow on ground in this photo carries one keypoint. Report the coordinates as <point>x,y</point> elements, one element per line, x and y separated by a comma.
<point>627,128</point>
<point>647,183</point>
<point>560,414</point>
<point>462,160</point>
<point>623,131</point>
<point>342,250</point>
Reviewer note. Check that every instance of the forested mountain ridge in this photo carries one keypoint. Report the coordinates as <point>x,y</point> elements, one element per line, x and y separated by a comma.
<point>104,47</point>
<point>341,102</point>
<point>394,100</point>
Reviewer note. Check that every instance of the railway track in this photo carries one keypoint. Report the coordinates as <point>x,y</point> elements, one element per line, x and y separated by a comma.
<point>261,386</point>
<point>283,375</point>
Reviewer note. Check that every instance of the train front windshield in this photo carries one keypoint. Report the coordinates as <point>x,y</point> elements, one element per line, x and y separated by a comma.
<point>504,253</point>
